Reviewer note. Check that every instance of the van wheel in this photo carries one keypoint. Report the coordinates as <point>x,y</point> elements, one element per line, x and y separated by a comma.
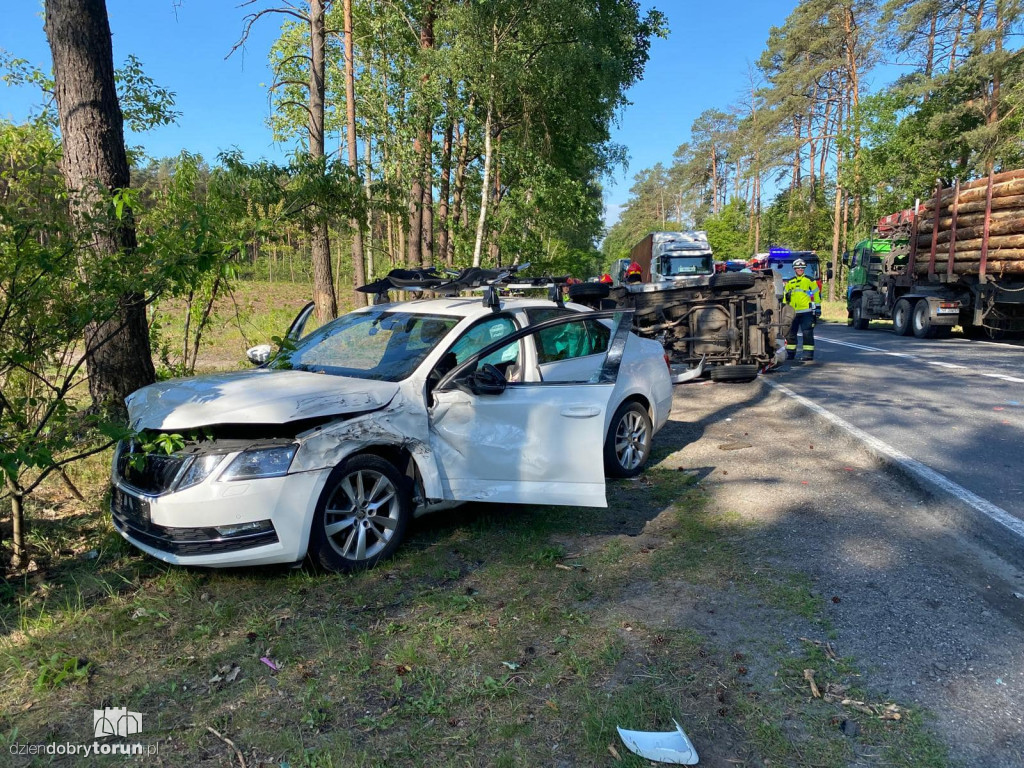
<point>734,373</point>
<point>734,280</point>
<point>629,441</point>
<point>361,516</point>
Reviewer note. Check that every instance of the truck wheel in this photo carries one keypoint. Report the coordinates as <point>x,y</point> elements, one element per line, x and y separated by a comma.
<point>921,321</point>
<point>361,516</point>
<point>732,280</point>
<point>901,315</point>
<point>857,313</point>
<point>734,373</point>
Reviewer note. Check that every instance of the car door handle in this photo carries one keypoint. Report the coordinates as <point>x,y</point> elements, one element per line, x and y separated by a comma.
<point>581,411</point>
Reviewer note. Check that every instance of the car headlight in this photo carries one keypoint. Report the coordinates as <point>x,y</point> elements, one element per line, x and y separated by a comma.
<point>200,468</point>
<point>260,462</point>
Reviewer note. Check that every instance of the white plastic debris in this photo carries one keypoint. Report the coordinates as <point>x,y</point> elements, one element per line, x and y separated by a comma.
<point>663,747</point>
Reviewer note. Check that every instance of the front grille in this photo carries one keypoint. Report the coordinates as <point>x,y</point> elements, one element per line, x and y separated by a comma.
<point>149,473</point>
<point>179,541</point>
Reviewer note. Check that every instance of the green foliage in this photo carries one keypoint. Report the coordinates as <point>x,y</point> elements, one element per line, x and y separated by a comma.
<point>144,104</point>
<point>727,231</point>
<point>45,308</point>
<point>59,670</point>
<point>793,222</point>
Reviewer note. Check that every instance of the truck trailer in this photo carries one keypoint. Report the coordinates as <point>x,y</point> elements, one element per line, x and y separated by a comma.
<point>957,260</point>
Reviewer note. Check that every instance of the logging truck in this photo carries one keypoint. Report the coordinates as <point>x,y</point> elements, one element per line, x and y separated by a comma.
<point>955,260</point>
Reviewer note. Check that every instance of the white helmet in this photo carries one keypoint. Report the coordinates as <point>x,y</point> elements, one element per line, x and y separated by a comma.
<point>799,264</point>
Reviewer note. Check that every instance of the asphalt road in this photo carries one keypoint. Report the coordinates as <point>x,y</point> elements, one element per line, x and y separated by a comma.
<point>954,405</point>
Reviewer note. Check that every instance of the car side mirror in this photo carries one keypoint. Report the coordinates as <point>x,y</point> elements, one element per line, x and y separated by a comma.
<point>846,258</point>
<point>259,354</point>
<point>486,380</point>
<point>829,273</point>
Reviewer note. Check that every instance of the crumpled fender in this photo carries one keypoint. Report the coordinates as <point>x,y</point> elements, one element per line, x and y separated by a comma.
<point>403,424</point>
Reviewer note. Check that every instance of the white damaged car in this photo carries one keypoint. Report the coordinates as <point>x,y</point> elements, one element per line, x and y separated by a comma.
<point>381,415</point>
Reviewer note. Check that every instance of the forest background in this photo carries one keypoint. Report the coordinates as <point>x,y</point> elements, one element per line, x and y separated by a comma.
<point>467,133</point>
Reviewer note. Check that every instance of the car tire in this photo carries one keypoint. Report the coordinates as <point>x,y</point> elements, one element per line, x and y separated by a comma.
<point>588,291</point>
<point>734,373</point>
<point>347,533</point>
<point>921,321</point>
<point>732,281</point>
<point>902,313</point>
<point>628,444</point>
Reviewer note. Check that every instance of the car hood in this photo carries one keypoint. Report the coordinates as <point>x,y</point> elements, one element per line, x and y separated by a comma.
<point>253,397</point>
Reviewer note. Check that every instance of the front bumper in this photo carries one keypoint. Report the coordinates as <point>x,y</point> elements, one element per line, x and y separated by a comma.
<point>179,528</point>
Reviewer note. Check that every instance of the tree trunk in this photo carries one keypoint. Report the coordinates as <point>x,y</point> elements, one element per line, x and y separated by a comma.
<point>19,553</point>
<point>929,62</point>
<point>94,164</point>
<point>714,183</point>
<point>956,37</point>
<point>485,189</point>
<point>428,198</point>
<point>458,204</point>
<point>319,237</point>
<point>852,39</point>
<point>837,212</point>
<point>358,264</point>
<point>416,209</point>
<point>444,192</point>
<point>811,143</point>
<point>368,189</point>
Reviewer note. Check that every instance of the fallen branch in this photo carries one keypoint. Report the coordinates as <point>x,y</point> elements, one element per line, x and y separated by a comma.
<point>809,677</point>
<point>230,743</point>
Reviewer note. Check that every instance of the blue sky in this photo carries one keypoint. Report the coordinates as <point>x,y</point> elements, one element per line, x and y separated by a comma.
<point>183,43</point>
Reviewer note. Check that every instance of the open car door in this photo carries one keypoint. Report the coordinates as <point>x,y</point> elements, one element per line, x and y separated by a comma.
<point>531,440</point>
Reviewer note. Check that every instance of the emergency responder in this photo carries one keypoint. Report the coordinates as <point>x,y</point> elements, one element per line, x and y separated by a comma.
<point>606,279</point>
<point>633,273</point>
<point>803,295</point>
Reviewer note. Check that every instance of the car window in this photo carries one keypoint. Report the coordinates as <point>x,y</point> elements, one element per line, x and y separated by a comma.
<point>571,340</point>
<point>379,344</point>
<point>584,348</point>
<point>483,333</point>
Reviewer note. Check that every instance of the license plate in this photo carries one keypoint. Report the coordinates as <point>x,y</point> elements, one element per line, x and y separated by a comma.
<point>129,507</point>
<point>949,311</point>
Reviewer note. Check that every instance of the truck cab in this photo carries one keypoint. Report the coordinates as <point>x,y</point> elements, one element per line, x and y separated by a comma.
<point>684,254</point>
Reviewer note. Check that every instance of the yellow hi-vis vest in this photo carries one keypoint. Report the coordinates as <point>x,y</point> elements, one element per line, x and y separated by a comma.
<point>800,293</point>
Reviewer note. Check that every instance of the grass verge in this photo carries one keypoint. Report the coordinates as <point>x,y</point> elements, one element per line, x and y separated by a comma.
<point>498,636</point>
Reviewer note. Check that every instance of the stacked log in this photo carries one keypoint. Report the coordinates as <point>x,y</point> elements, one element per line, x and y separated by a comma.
<point>958,215</point>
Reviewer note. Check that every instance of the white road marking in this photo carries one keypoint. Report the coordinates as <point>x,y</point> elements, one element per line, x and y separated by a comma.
<point>848,344</point>
<point>866,349</point>
<point>913,466</point>
<point>905,356</point>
